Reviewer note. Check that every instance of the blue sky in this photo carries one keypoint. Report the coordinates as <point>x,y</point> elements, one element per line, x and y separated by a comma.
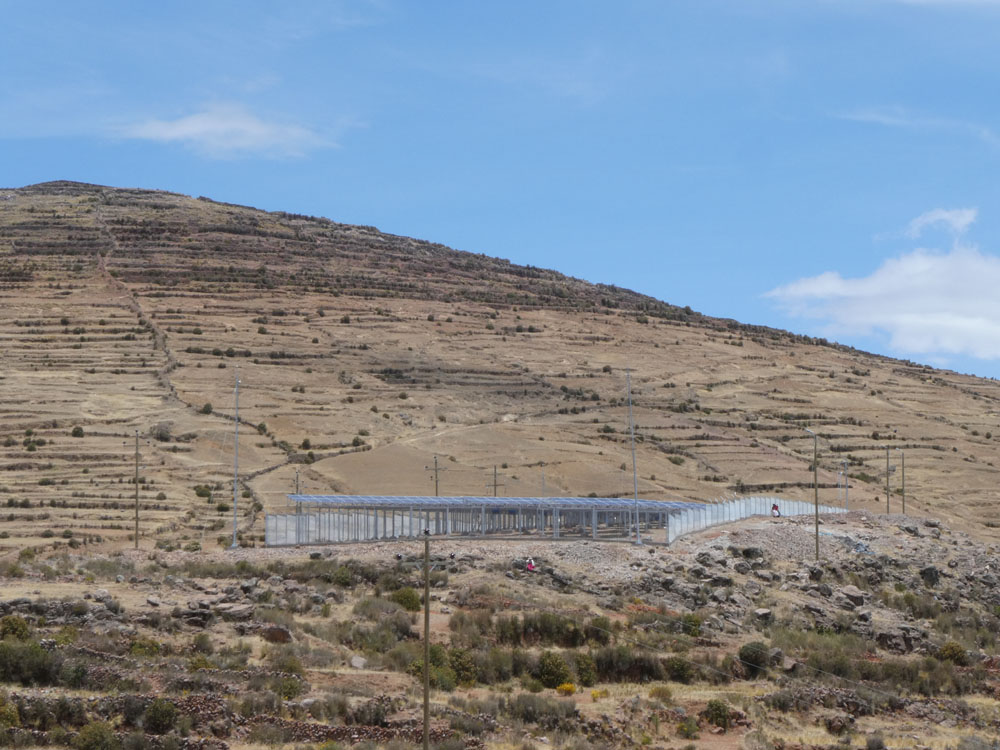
<point>825,166</point>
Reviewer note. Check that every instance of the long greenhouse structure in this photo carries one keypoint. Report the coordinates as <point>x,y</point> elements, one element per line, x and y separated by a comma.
<point>327,519</point>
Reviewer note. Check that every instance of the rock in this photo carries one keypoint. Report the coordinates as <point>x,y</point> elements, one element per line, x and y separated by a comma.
<point>152,601</point>
<point>815,573</point>
<point>931,523</point>
<point>930,575</point>
<point>120,578</point>
<point>854,594</point>
<point>775,657</point>
<point>910,529</point>
<point>315,555</point>
<point>742,567</point>
<point>752,552</point>
<point>763,615</point>
<point>358,662</point>
<point>276,634</point>
<point>235,611</point>
<point>101,595</point>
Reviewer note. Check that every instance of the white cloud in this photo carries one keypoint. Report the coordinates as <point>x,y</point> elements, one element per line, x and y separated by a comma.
<point>229,130</point>
<point>928,303</point>
<point>896,117</point>
<point>956,219</point>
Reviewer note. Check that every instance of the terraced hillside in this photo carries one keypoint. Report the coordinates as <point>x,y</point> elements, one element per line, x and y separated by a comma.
<point>363,355</point>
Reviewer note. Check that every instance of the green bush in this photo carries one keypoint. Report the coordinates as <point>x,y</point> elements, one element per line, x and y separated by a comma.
<point>77,432</point>
<point>407,598</point>
<point>688,728</point>
<point>952,651</point>
<point>717,712</point>
<point>8,715</point>
<point>552,669</point>
<point>622,664</point>
<point>586,669</point>
<point>206,409</point>
<point>754,656</point>
<point>463,665</point>
<point>97,735</point>
<point>678,669</point>
<point>159,717</point>
<point>15,627</point>
<point>28,663</point>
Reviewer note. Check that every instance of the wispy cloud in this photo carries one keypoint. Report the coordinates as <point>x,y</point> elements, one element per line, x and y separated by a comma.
<point>895,117</point>
<point>229,130</point>
<point>928,303</point>
<point>957,220</point>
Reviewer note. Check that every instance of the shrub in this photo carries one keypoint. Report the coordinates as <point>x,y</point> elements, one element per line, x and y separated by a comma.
<point>8,715</point>
<point>77,432</point>
<point>463,665</point>
<point>407,598</point>
<point>621,664</point>
<point>678,669</point>
<point>206,409</point>
<point>717,712</point>
<point>596,695</point>
<point>951,651</point>
<point>552,669</point>
<point>28,663</point>
<point>97,735</point>
<point>754,658</point>
<point>567,688</point>
<point>538,709</point>
<point>688,728</point>
<point>661,693</point>
<point>160,717</point>
<point>586,670</point>
<point>15,627</point>
<point>142,646</point>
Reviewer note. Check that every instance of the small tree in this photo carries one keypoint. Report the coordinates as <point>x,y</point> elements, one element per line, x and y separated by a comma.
<point>754,658</point>
<point>97,735</point>
<point>160,716</point>
<point>552,669</point>
<point>77,431</point>
<point>206,409</point>
<point>407,598</point>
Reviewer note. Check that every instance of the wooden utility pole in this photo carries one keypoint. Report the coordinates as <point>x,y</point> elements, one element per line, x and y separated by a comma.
<point>437,471</point>
<point>496,483</point>
<point>427,638</point>
<point>137,489</point>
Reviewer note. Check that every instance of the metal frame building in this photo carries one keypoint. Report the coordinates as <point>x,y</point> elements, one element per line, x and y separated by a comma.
<point>324,519</point>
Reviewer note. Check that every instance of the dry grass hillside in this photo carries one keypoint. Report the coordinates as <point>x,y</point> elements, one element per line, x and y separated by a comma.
<point>362,355</point>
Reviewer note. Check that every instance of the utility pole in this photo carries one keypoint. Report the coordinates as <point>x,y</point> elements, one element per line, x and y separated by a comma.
<point>436,471</point>
<point>495,483</point>
<point>635,477</point>
<point>137,489</point>
<point>296,481</point>
<point>887,480</point>
<point>236,457</point>
<point>815,484</point>
<point>902,477</point>
<point>847,482</point>
<point>427,638</point>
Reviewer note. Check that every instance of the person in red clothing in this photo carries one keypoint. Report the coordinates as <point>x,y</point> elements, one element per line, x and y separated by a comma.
<point>774,511</point>
<point>530,565</point>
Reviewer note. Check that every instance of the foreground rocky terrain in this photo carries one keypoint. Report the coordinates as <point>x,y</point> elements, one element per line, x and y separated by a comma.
<point>728,639</point>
